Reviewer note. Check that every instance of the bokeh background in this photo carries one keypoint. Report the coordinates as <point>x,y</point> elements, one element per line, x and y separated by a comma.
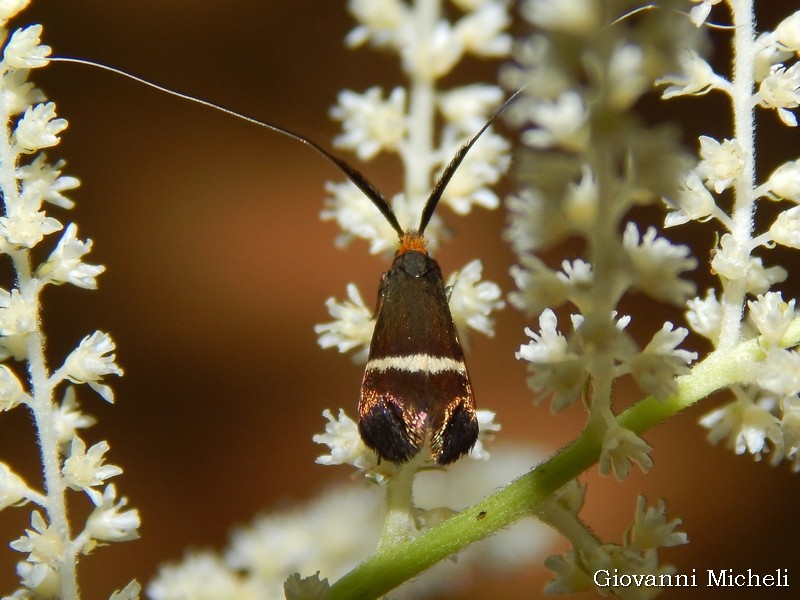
<point>218,269</point>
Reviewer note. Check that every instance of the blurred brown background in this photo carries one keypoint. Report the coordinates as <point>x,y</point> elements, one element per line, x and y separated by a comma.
<point>218,268</point>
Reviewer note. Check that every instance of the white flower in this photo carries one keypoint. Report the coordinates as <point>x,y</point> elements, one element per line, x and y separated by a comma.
<point>129,592</point>
<point>781,90</point>
<point>371,124</point>
<point>786,228</point>
<point>24,225</point>
<point>472,301</point>
<point>9,8</point>
<point>13,489</point>
<point>780,373</point>
<point>772,316</point>
<point>481,31</point>
<point>650,529</point>
<point>42,543</point>
<point>69,418</point>
<point>746,425</point>
<point>656,367</point>
<point>721,163</point>
<point>539,286</point>
<point>784,182</point>
<point>534,221</point>
<point>92,360</point>
<point>39,579</point>
<point>39,128</point>
<point>85,470</point>
<point>555,369</point>
<point>621,448</point>
<point>657,264</point>
<point>487,428</point>
<point>696,77</point>
<point>561,123</point>
<point>17,320</point>
<point>358,217</point>
<point>108,522</point>
<point>345,443</point>
<point>787,33</point>
<point>434,55</point>
<point>19,93</point>
<point>571,16</point>
<point>571,575</point>
<point>704,315</point>
<point>626,77</point>
<point>382,22</point>
<point>352,326</point>
<point>694,202</point>
<point>202,576</point>
<point>43,181</point>
<point>11,392</point>
<point>483,166</point>
<point>580,200</point>
<point>25,50</point>
<point>699,13</point>
<point>65,265</point>
<point>467,107</point>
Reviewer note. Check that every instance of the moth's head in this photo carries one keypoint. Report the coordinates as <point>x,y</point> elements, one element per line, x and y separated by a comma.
<point>412,241</point>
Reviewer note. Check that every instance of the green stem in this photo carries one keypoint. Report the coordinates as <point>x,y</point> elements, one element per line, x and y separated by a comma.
<point>391,566</point>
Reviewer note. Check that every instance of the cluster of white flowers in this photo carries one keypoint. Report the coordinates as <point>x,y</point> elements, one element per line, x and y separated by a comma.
<point>402,122</point>
<point>762,417</point>
<point>588,163</point>
<point>28,181</point>
<point>320,537</point>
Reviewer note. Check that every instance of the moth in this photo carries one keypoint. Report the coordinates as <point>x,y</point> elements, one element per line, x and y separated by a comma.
<point>416,393</point>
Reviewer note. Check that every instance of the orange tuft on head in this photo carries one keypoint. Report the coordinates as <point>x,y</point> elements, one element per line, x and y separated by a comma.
<point>412,240</point>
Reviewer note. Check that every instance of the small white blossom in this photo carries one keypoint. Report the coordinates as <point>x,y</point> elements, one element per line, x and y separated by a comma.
<point>781,91</point>
<point>352,326</point>
<point>700,13</point>
<point>65,263</point>
<point>483,166</point>
<point>731,259</point>
<point>481,31</point>
<point>467,107</point>
<point>562,123</point>
<point>651,530</point>
<point>24,225</point>
<point>69,418</point>
<point>720,164</point>
<point>42,543</point>
<point>746,425</point>
<point>383,22</point>
<point>43,181</point>
<point>693,203</point>
<point>13,489</point>
<point>25,49</point>
<point>571,16</point>
<point>786,228</point>
<point>358,218</point>
<point>570,574</point>
<point>371,124</point>
<point>19,93</point>
<point>621,449</point>
<point>129,592</point>
<point>84,470</point>
<point>556,370</point>
<point>17,320</point>
<point>487,428</point>
<point>784,182</point>
<point>772,316</point>
<point>656,367</point>
<point>39,579</point>
<point>39,128</point>
<point>108,522</point>
<point>534,221</point>
<point>9,8</point>
<point>433,56</point>
<point>627,78</point>
<point>581,200</point>
<point>11,392</point>
<point>538,286</point>
<point>472,301</point>
<point>92,360</point>
<point>780,373</point>
<point>696,77</point>
<point>787,33</point>
<point>704,315</point>
<point>202,576</point>
<point>657,264</point>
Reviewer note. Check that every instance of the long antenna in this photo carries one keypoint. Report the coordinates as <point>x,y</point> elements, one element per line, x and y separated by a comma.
<point>361,182</point>
<point>451,167</point>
